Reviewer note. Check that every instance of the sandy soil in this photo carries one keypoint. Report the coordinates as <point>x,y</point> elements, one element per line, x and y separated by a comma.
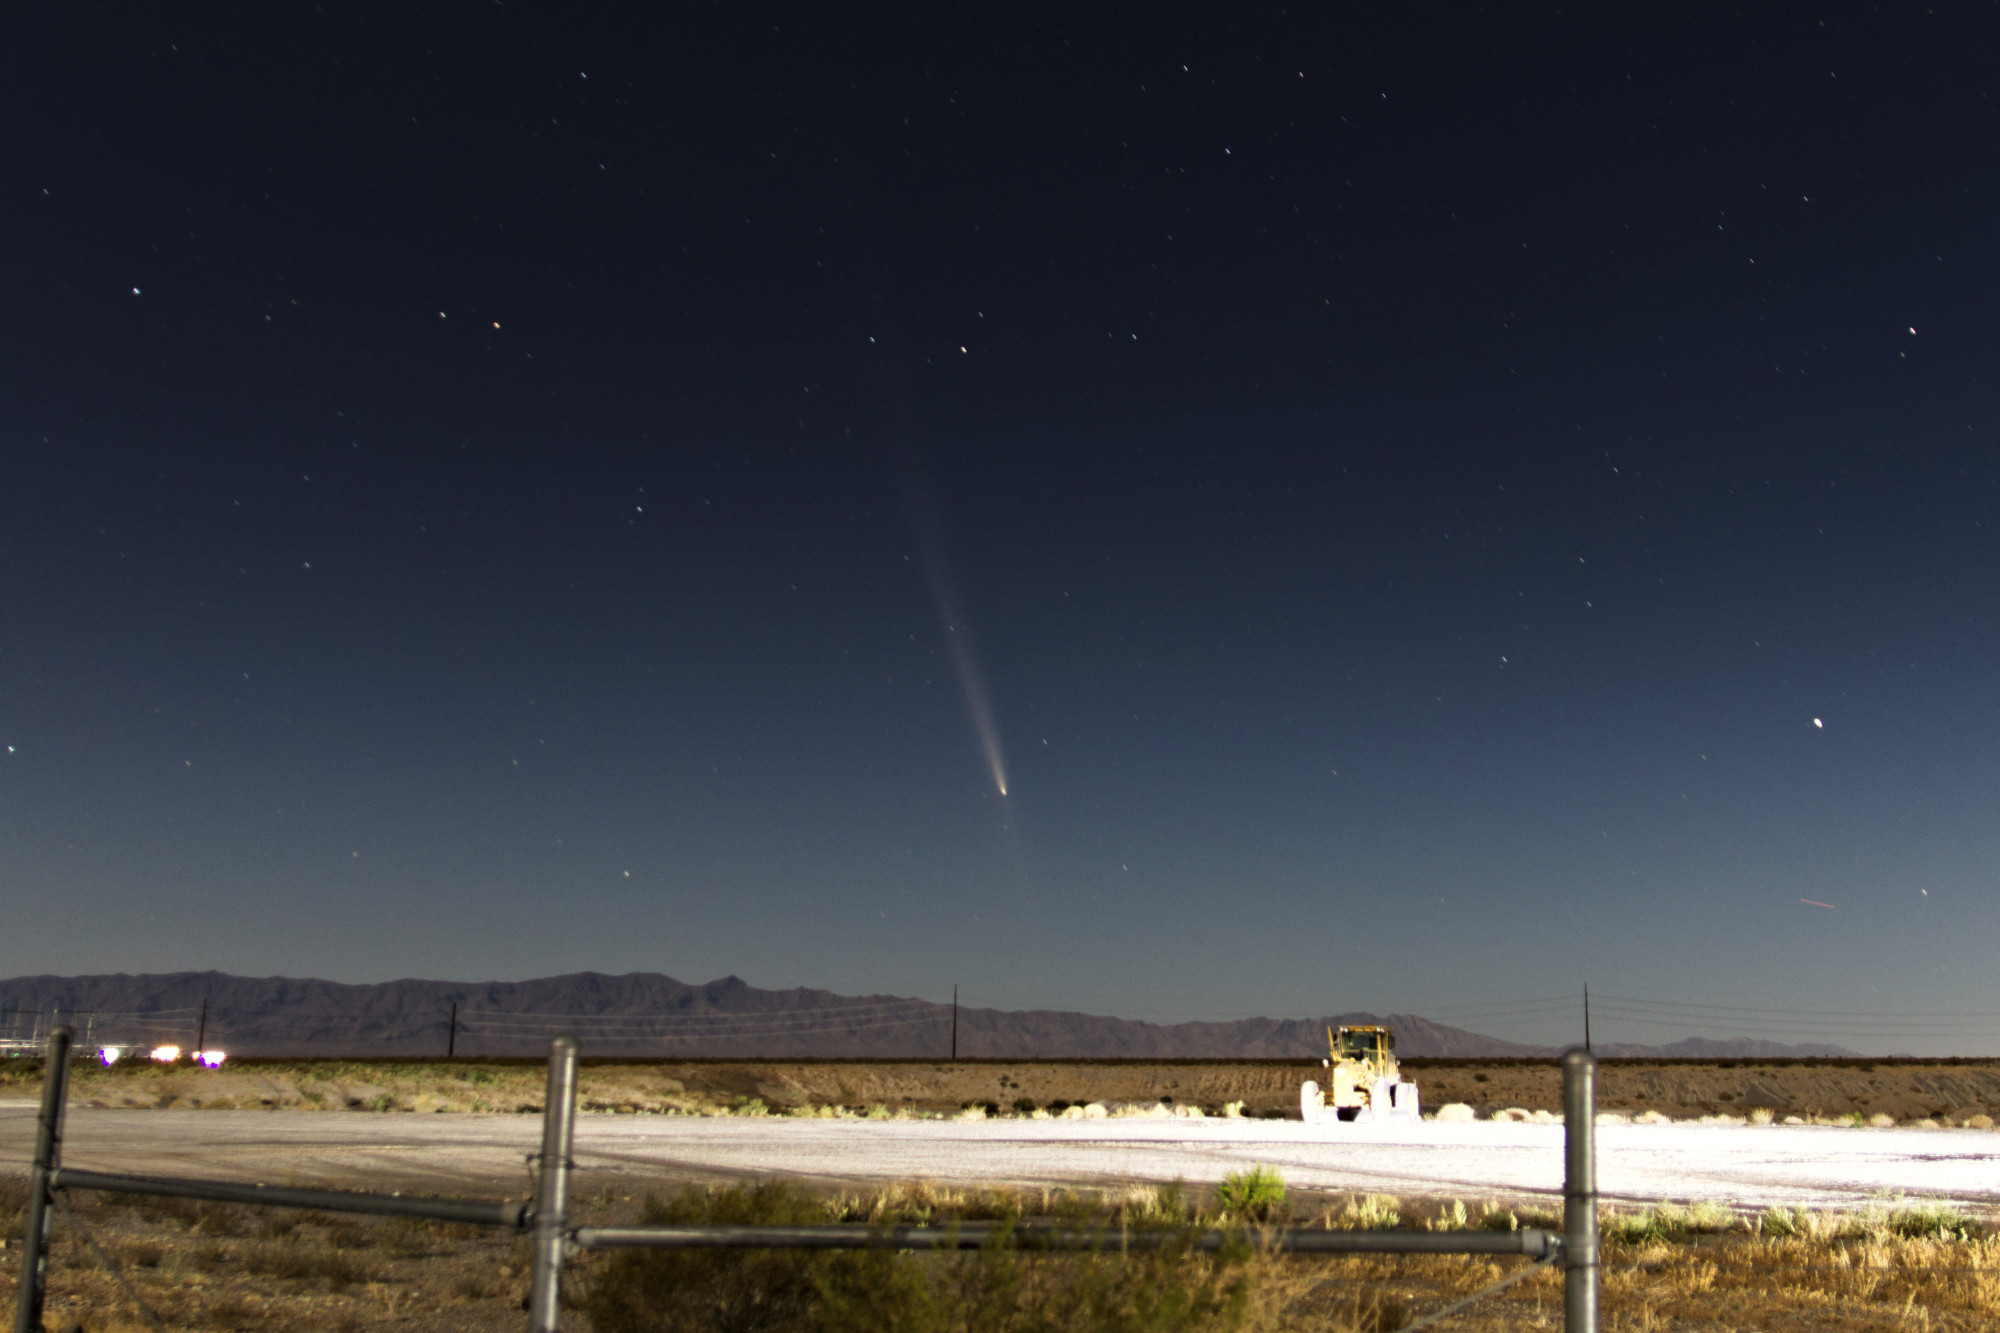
<point>1741,1165</point>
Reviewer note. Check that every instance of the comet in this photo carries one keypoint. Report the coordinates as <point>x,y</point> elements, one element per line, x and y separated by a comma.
<point>936,562</point>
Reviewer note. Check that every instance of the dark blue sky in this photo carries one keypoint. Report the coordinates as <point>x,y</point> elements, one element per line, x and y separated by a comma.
<point>1444,506</point>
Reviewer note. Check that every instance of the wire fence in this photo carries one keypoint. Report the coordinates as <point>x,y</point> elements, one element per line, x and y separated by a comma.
<point>552,1237</point>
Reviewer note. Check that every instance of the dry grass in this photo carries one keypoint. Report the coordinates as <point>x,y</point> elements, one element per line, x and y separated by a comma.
<point>1685,1267</point>
<point>217,1266</point>
<point>1674,1267</point>
<point>13,1206</point>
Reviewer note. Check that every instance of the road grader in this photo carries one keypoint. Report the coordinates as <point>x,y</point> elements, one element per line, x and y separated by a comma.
<point>1364,1082</point>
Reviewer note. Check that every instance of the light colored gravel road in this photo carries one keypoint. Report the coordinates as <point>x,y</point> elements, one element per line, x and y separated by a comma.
<point>1749,1166</point>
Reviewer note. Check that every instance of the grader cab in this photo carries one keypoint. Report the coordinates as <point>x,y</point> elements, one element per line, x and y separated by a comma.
<point>1364,1082</point>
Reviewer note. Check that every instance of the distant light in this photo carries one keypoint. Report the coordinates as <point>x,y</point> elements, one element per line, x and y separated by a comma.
<point>166,1055</point>
<point>135,292</point>
<point>1817,723</point>
<point>211,1058</point>
<point>110,1054</point>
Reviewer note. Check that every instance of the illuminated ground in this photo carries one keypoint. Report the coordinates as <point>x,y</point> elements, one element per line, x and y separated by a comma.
<point>1744,1165</point>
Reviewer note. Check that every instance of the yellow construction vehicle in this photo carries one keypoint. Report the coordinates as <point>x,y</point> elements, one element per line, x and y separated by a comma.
<point>1364,1081</point>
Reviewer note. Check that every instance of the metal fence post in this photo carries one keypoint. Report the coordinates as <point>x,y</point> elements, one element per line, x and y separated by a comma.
<point>549,1232</point>
<point>48,1157</point>
<point>1579,1192</point>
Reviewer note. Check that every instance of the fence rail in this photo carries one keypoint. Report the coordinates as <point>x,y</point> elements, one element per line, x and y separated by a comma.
<point>973,1235</point>
<point>478,1212</point>
<point>552,1237</point>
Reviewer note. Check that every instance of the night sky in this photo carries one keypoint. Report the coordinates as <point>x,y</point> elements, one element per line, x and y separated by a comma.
<point>1420,508</point>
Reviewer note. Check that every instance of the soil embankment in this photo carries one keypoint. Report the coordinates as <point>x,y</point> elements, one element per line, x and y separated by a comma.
<point>1902,1089</point>
<point>1905,1090</point>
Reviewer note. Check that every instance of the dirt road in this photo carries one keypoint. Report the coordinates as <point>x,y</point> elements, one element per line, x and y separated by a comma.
<point>1741,1165</point>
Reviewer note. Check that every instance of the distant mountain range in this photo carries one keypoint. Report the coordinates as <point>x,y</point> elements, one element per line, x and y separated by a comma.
<point>646,1014</point>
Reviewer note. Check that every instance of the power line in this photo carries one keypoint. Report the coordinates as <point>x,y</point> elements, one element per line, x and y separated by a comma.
<point>1821,1013</point>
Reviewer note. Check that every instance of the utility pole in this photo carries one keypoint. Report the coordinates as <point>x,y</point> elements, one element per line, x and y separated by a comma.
<point>201,1032</point>
<point>1586,1016</point>
<point>954,1022</point>
<point>451,1042</point>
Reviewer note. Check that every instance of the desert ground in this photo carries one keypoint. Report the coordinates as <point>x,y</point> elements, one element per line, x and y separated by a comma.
<point>1716,1221</point>
<point>1904,1090</point>
<point>1738,1165</point>
<point>1904,1256</point>
<point>1750,1134</point>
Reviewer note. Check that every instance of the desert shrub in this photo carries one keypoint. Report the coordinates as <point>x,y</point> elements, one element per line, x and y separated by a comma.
<point>1256,1194</point>
<point>230,1312</point>
<point>1452,1217</point>
<point>408,1238</point>
<point>345,1235</point>
<point>341,1271</point>
<point>1631,1228</point>
<point>13,1208</point>
<point>299,1263</point>
<point>1673,1222</point>
<point>220,1219</point>
<point>1932,1220</point>
<point>212,1258</point>
<point>1365,1307</point>
<point>144,1253</point>
<point>1157,1208</point>
<point>997,1290</point>
<point>1782,1223</point>
<point>667,1291</point>
<point>1376,1212</point>
<point>159,1207</point>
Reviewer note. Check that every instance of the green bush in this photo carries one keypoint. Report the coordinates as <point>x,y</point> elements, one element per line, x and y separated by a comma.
<point>1933,1220</point>
<point>1257,1195</point>
<point>1673,1222</point>
<point>999,1289</point>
